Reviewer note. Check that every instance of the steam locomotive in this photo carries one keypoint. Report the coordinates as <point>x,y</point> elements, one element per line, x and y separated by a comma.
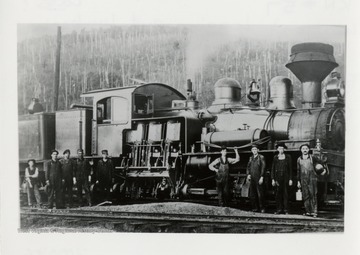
<point>152,131</point>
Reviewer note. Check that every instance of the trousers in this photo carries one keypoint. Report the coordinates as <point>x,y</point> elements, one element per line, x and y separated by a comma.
<point>55,193</point>
<point>33,191</point>
<point>83,184</point>
<point>223,192</point>
<point>282,198</point>
<point>67,190</point>
<point>256,195</point>
<point>309,190</point>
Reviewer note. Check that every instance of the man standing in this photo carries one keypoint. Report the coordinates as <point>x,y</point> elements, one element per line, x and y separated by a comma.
<point>281,175</point>
<point>307,179</point>
<point>255,174</point>
<point>221,167</point>
<point>83,177</point>
<point>68,167</point>
<point>53,177</point>
<point>104,174</point>
<point>32,182</point>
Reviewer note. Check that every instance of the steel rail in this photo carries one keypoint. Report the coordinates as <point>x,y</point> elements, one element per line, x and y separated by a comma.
<point>244,223</point>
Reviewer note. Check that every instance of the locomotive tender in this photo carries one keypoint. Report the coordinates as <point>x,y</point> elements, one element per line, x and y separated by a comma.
<point>152,131</point>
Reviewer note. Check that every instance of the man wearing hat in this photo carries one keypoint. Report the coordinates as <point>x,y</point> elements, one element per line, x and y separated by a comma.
<point>281,175</point>
<point>68,175</point>
<point>83,177</point>
<point>307,179</point>
<point>221,167</point>
<point>53,177</point>
<point>255,174</point>
<point>104,174</point>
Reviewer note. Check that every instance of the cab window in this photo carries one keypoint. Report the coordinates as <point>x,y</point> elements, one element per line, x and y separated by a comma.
<point>112,110</point>
<point>143,105</point>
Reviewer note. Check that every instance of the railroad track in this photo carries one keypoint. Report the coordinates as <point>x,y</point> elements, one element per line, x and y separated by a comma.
<point>118,221</point>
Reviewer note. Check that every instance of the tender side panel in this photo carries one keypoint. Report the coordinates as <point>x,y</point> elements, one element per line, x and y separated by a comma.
<point>36,136</point>
<point>73,130</point>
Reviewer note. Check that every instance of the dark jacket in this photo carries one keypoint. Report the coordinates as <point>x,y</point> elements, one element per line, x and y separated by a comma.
<point>53,172</point>
<point>277,173</point>
<point>105,170</point>
<point>68,167</point>
<point>82,169</point>
<point>256,167</point>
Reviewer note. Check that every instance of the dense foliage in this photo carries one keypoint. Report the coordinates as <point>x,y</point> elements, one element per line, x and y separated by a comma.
<point>113,57</point>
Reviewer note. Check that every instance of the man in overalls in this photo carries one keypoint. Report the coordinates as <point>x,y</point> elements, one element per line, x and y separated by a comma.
<point>221,167</point>
<point>68,168</point>
<point>307,180</point>
<point>53,177</point>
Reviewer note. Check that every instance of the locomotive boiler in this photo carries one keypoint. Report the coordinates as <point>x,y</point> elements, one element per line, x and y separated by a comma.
<point>153,131</point>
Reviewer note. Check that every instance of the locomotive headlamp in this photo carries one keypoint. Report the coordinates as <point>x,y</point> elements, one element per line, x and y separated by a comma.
<point>335,87</point>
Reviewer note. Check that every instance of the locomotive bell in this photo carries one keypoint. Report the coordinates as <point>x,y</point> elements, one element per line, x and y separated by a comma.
<point>254,88</point>
<point>227,92</point>
<point>281,93</point>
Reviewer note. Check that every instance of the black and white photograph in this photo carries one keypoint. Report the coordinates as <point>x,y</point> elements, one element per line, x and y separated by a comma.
<point>140,131</point>
<point>182,128</point>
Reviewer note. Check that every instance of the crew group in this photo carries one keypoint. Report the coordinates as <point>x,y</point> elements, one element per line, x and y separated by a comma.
<point>61,175</point>
<point>281,176</point>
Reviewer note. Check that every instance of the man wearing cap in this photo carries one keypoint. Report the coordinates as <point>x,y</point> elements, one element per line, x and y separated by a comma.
<point>68,167</point>
<point>53,177</point>
<point>307,179</point>
<point>255,174</point>
<point>221,167</point>
<point>281,176</point>
<point>83,174</point>
<point>32,182</point>
<point>104,174</point>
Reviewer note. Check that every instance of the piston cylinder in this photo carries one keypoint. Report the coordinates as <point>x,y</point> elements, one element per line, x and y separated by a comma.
<point>235,138</point>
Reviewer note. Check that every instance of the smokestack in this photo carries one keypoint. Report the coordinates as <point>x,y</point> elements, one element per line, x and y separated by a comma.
<point>311,63</point>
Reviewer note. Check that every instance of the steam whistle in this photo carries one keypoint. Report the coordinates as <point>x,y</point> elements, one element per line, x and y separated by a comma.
<point>191,101</point>
<point>189,89</point>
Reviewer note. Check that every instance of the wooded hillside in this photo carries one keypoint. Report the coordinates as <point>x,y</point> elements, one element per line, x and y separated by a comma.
<point>103,58</point>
